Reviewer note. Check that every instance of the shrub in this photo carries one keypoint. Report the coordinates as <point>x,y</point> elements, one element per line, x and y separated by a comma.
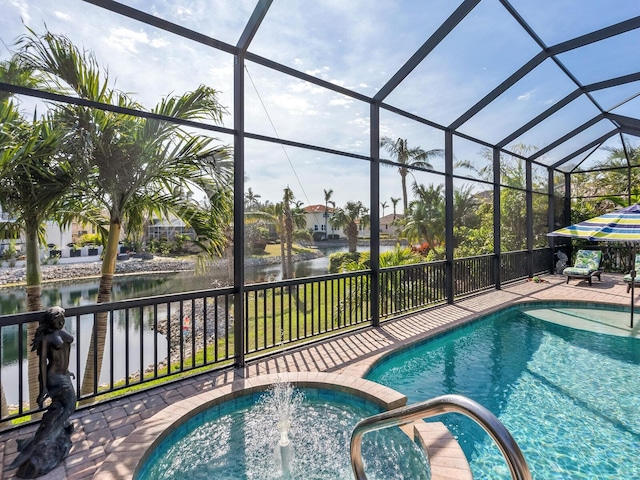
<point>89,239</point>
<point>337,260</point>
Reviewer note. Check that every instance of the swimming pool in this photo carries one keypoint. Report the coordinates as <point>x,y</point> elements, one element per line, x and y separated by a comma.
<point>569,397</point>
<point>230,441</point>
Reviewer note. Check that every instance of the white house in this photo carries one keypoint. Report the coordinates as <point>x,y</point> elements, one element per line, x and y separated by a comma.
<point>318,219</point>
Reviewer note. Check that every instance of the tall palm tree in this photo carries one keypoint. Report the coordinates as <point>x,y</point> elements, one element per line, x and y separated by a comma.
<point>394,201</point>
<point>294,224</point>
<point>384,205</point>
<point>34,177</point>
<point>288,229</point>
<point>276,211</point>
<point>408,157</point>
<point>135,163</point>
<point>348,219</point>
<point>327,201</point>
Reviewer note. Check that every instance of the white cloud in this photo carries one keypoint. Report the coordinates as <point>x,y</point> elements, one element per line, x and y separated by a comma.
<point>340,102</point>
<point>63,16</point>
<point>294,105</point>
<point>126,40</point>
<point>129,41</point>
<point>304,87</point>
<point>526,96</point>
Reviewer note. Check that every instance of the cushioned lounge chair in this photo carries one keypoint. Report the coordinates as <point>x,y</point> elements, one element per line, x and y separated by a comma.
<point>586,266</point>
<point>627,277</point>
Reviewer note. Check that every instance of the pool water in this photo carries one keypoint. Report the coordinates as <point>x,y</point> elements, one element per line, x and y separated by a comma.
<point>570,398</point>
<point>236,441</point>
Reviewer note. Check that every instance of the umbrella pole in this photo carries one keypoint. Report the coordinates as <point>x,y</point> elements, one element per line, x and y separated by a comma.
<point>633,279</point>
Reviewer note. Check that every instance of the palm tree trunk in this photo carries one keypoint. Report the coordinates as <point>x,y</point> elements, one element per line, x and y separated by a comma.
<point>4,408</point>
<point>288,232</point>
<point>95,356</point>
<point>352,237</point>
<point>283,259</point>
<point>405,199</point>
<point>290,256</point>
<point>34,304</point>
<point>33,360</point>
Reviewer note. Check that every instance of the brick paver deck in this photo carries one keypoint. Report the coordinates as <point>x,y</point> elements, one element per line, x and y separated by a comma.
<point>101,429</point>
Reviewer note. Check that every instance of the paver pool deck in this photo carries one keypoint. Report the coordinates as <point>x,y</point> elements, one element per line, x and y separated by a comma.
<point>103,431</point>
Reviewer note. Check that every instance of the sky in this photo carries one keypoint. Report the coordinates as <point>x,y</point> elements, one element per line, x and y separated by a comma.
<point>357,44</point>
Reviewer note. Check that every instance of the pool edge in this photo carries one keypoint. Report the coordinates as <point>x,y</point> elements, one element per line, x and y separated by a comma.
<point>125,460</point>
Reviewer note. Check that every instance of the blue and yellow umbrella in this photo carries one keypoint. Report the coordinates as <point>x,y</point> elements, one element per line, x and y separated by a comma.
<point>622,225</point>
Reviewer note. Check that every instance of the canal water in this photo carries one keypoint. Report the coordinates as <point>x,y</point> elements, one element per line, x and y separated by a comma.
<point>85,291</point>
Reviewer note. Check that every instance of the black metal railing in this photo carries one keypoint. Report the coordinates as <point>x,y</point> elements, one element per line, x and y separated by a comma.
<point>541,261</point>
<point>513,266</point>
<point>277,314</point>
<point>125,344</point>
<point>473,274</point>
<point>119,345</point>
<point>409,288</point>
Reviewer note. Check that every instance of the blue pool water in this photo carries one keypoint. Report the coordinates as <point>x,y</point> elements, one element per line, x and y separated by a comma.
<point>234,441</point>
<point>570,398</point>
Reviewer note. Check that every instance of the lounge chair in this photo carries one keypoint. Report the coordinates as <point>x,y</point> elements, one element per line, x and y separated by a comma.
<point>586,266</point>
<point>627,277</point>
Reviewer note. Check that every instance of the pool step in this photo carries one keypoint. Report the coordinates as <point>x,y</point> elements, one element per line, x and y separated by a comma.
<point>446,458</point>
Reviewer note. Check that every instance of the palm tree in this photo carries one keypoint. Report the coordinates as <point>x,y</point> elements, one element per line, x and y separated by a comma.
<point>136,164</point>
<point>424,222</point>
<point>408,157</point>
<point>394,201</point>
<point>34,177</point>
<point>384,205</point>
<point>251,199</point>
<point>288,230</point>
<point>348,219</point>
<point>327,201</point>
<point>294,224</point>
<point>276,212</point>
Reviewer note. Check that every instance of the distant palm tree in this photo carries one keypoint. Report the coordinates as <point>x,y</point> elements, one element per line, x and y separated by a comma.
<point>294,226</point>
<point>327,201</point>
<point>384,205</point>
<point>348,219</point>
<point>408,157</point>
<point>276,211</point>
<point>251,199</point>
<point>394,201</point>
<point>287,199</point>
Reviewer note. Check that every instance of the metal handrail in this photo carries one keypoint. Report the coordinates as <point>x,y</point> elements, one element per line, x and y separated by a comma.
<point>437,406</point>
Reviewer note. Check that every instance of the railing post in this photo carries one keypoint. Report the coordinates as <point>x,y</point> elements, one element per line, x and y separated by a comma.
<point>238,212</point>
<point>496,219</point>
<point>529,217</point>
<point>374,136</point>
<point>449,220</point>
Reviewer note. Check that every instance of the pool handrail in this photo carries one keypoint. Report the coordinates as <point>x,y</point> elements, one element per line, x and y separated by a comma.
<point>438,406</point>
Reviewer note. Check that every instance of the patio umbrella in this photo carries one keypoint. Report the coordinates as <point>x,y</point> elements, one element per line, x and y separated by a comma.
<point>622,225</point>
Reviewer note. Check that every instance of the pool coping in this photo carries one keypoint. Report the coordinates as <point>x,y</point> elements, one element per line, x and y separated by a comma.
<point>128,457</point>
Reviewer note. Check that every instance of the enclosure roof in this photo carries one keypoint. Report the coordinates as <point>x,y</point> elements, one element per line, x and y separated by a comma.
<point>559,75</point>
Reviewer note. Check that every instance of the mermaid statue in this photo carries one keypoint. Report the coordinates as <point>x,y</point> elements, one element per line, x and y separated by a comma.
<point>52,441</point>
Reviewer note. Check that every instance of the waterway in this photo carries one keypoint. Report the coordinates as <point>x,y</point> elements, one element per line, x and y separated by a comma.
<point>85,291</point>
